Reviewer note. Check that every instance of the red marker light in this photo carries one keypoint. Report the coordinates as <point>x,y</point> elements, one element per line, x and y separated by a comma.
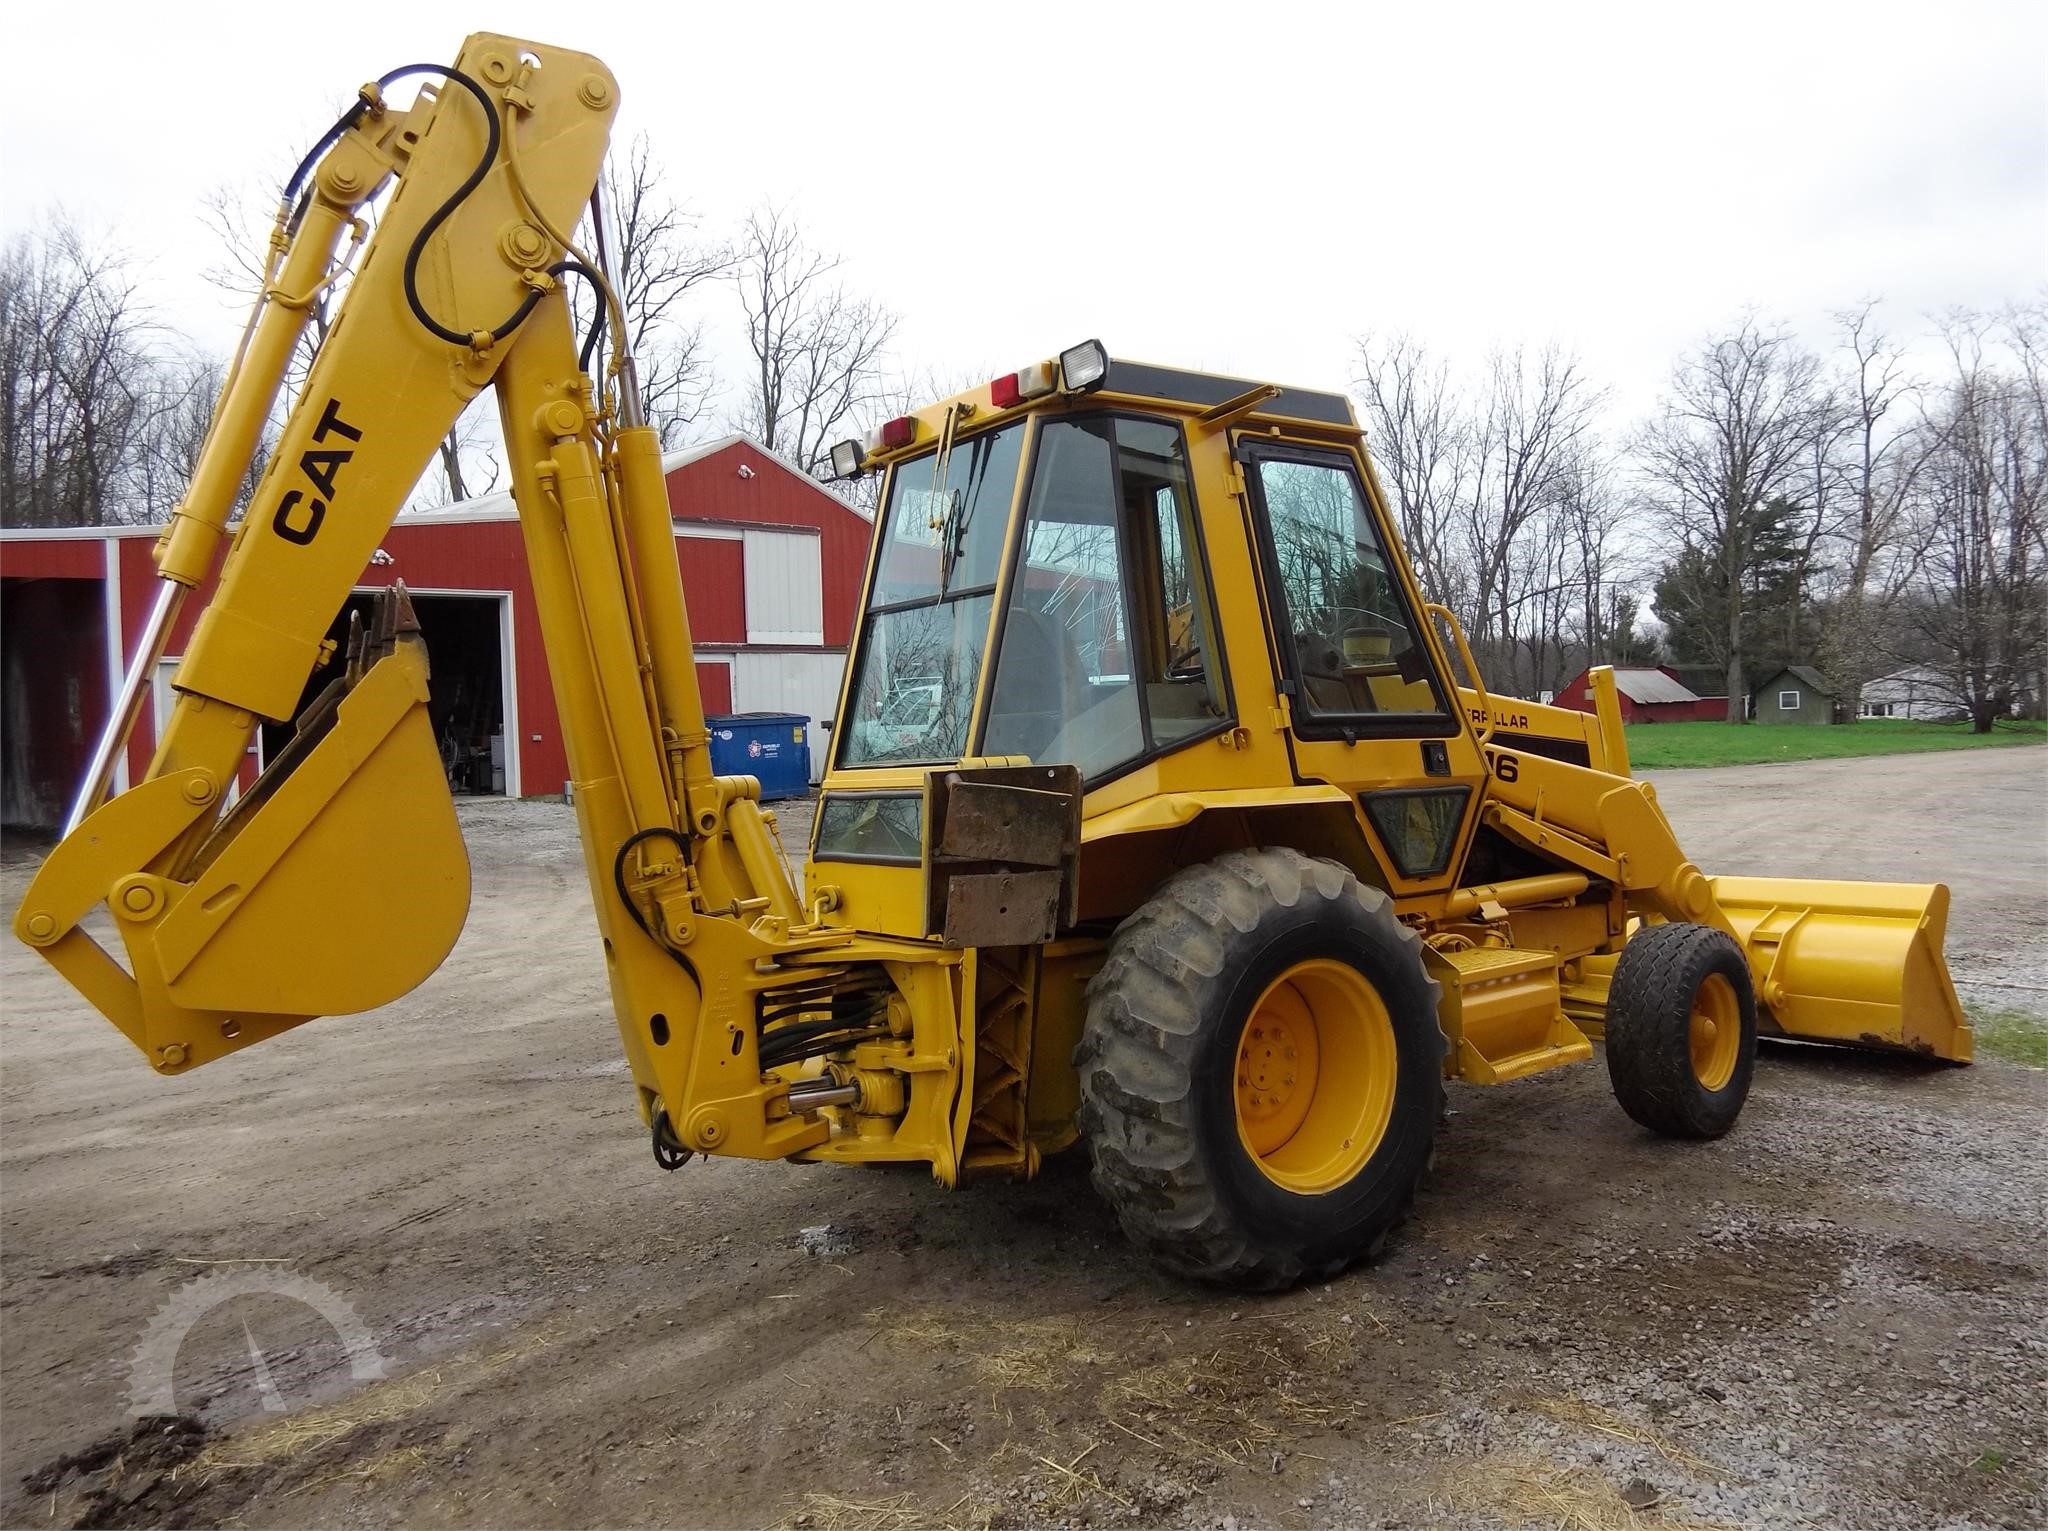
<point>1032,382</point>
<point>899,432</point>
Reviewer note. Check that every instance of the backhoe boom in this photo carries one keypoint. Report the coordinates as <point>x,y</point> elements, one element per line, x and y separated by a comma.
<point>339,881</point>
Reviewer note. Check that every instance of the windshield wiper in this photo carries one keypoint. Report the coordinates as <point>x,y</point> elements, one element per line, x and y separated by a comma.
<point>960,507</point>
<point>952,525</point>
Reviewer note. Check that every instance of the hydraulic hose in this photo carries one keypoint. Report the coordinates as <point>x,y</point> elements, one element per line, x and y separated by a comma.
<point>493,137</point>
<point>633,910</point>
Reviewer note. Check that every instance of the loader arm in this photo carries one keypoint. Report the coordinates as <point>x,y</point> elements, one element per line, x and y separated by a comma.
<point>339,881</point>
<point>1859,964</point>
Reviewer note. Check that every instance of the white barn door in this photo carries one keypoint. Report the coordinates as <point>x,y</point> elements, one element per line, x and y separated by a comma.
<point>785,588</point>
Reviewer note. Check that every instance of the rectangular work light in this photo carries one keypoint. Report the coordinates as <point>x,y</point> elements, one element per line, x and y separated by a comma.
<point>1083,367</point>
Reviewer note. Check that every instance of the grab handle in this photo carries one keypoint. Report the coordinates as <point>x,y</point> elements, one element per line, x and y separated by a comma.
<point>1484,729</point>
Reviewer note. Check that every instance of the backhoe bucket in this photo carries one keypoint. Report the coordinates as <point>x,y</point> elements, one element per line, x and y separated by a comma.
<point>1856,963</point>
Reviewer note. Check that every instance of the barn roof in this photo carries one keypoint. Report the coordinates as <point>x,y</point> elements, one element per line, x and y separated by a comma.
<point>1646,687</point>
<point>683,456</point>
<point>499,506</point>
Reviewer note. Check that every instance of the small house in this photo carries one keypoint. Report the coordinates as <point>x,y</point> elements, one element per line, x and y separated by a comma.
<point>1916,692</point>
<point>1793,693</point>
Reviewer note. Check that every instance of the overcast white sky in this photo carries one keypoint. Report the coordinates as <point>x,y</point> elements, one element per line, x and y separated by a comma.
<point>1240,188</point>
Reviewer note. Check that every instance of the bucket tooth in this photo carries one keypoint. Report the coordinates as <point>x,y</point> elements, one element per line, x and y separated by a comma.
<point>392,618</point>
<point>358,643</point>
<point>404,619</point>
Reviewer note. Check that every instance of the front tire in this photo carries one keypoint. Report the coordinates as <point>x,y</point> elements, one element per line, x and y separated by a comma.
<point>1261,1070</point>
<point>1681,1030</point>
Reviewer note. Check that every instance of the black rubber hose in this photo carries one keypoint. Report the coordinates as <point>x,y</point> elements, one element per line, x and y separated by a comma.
<point>843,1001</point>
<point>493,136</point>
<point>360,109</point>
<point>818,991</point>
<point>342,124</point>
<point>791,1036</point>
<point>819,1047</point>
<point>596,331</point>
<point>633,909</point>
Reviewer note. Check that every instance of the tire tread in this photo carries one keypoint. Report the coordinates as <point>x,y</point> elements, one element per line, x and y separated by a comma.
<point>1136,1060</point>
<point>1649,1062</point>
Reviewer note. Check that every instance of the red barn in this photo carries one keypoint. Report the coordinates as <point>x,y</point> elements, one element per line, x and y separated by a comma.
<point>771,563</point>
<point>1646,696</point>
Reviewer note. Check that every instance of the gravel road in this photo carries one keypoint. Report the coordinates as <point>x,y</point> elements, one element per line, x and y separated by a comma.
<point>1831,1318</point>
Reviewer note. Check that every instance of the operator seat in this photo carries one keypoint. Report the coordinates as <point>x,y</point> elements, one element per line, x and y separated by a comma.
<point>1322,673</point>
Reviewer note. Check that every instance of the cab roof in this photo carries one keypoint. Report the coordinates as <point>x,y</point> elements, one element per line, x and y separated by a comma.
<point>1206,389</point>
<point>1121,378</point>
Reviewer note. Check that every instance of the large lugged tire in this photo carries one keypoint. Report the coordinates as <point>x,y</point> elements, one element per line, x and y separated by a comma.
<point>1681,1030</point>
<point>1261,1071</point>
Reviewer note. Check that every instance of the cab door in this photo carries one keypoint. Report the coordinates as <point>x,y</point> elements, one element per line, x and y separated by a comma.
<point>1367,699</point>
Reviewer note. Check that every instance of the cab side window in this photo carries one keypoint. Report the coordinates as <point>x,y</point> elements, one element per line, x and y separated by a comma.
<point>1346,633</point>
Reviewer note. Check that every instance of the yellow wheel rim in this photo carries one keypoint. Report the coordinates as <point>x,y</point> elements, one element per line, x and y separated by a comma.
<point>1716,1032</point>
<point>1314,1086</point>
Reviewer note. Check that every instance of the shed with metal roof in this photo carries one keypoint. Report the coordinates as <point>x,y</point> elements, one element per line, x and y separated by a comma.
<point>1793,693</point>
<point>1646,696</point>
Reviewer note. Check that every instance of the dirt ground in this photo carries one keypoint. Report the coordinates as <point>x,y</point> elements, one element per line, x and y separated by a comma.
<point>1833,1317</point>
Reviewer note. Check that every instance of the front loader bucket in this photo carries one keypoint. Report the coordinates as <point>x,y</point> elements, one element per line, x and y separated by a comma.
<point>1857,963</point>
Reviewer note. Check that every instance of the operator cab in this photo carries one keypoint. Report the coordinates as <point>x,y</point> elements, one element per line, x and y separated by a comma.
<point>1042,589</point>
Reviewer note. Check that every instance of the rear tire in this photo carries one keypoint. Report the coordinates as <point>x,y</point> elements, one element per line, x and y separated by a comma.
<point>1261,1070</point>
<point>1681,1030</point>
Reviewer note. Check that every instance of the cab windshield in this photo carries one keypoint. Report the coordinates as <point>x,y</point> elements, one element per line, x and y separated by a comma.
<point>1108,650</point>
<point>941,546</point>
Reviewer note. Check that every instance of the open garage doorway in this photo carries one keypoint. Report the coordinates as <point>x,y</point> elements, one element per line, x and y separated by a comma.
<point>469,691</point>
<point>53,694</point>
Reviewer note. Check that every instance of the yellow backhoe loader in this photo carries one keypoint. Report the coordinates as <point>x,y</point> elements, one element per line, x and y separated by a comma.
<point>1193,847</point>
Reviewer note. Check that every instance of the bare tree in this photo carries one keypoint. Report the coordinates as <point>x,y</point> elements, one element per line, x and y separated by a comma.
<point>2026,332</point>
<point>660,260</point>
<point>1721,460</point>
<point>1981,599</point>
<point>76,354</point>
<point>1819,524</point>
<point>177,413</point>
<point>1502,497</point>
<point>1418,429</point>
<point>1881,454</point>
<point>1536,422</point>
<point>818,350</point>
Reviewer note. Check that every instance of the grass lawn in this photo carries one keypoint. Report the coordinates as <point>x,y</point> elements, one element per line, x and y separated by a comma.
<point>1661,746</point>
<point>2011,1034</point>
